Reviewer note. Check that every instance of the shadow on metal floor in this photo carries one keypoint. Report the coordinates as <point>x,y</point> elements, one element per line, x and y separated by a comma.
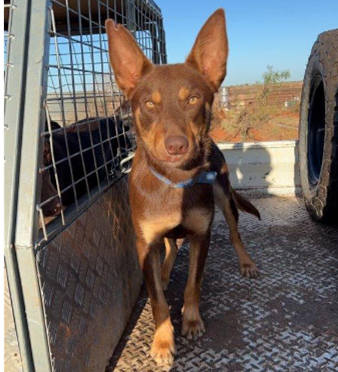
<point>287,320</point>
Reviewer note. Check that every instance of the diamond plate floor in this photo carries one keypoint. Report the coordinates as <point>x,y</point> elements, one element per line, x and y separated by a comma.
<point>287,320</point>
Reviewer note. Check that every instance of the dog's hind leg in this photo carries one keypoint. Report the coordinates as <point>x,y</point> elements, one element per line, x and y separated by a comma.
<point>228,201</point>
<point>192,323</point>
<point>171,248</point>
<point>225,201</point>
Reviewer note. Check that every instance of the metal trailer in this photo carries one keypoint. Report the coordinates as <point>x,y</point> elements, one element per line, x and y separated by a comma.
<point>73,276</point>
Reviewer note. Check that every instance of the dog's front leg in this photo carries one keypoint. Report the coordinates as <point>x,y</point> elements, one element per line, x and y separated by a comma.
<point>192,323</point>
<point>163,347</point>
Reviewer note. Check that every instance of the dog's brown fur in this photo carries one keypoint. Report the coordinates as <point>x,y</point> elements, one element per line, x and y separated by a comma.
<point>167,101</point>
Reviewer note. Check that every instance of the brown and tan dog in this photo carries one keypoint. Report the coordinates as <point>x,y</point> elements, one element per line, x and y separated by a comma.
<point>172,105</point>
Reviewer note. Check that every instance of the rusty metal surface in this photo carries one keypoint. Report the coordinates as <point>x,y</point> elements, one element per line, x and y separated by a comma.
<point>12,357</point>
<point>287,320</point>
<point>90,279</point>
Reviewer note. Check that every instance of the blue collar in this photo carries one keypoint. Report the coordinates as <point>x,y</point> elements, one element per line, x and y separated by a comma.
<point>203,177</point>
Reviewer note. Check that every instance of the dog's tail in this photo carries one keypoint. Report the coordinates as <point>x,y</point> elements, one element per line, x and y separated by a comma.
<point>244,205</point>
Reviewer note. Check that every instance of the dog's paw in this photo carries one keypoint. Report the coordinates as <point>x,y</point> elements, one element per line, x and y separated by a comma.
<point>193,329</point>
<point>249,270</point>
<point>163,352</point>
<point>163,348</point>
<point>192,325</point>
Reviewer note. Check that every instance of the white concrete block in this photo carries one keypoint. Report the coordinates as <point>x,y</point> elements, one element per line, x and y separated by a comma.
<point>267,167</point>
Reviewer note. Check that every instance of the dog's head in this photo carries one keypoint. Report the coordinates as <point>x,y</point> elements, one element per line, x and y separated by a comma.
<point>172,103</point>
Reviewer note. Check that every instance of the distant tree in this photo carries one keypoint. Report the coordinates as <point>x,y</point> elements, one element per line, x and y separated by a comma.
<point>275,77</point>
<point>271,78</point>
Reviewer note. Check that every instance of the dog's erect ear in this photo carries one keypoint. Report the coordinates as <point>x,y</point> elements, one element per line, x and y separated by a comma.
<point>210,52</point>
<point>126,58</point>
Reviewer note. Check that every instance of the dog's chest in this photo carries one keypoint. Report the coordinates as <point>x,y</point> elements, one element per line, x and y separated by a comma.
<point>171,219</point>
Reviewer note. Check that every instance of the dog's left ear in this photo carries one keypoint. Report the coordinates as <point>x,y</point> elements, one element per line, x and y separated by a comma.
<point>210,52</point>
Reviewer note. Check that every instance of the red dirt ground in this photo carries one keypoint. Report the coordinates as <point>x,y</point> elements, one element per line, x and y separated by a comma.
<point>281,127</point>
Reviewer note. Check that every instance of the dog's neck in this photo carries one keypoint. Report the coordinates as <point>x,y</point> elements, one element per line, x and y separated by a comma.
<point>178,174</point>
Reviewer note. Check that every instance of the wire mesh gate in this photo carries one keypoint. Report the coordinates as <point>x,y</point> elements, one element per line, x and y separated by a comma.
<point>87,136</point>
<point>69,138</point>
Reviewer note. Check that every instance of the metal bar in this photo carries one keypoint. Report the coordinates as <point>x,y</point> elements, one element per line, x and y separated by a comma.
<point>14,89</point>
<point>58,188</point>
<point>29,186</point>
<point>85,85</point>
<point>130,13</point>
<point>103,52</point>
<point>74,101</point>
<point>62,106</point>
<point>103,90</point>
<point>72,69</point>
<point>65,98</point>
<point>71,126</point>
<point>72,39</point>
<point>94,90</point>
<point>10,6</point>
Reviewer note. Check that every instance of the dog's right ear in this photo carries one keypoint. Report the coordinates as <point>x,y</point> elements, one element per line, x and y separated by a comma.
<point>126,58</point>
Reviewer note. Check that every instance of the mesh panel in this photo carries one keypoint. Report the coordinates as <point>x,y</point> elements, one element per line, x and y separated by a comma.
<point>88,138</point>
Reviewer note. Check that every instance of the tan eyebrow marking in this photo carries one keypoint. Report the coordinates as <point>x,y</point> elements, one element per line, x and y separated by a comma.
<point>156,97</point>
<point>183,93</point>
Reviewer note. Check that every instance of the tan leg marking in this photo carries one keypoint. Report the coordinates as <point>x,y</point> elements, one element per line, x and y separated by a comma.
<point>246,265</point>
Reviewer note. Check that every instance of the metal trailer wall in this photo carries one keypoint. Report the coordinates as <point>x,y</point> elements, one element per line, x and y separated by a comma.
<point>15,66</point>
<point>73,278</point>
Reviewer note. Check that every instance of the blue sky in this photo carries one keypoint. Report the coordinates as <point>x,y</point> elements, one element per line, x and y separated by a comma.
<point>261,32</point>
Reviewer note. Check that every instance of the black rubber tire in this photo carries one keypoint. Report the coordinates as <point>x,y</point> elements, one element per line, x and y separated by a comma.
<point>318,130</point>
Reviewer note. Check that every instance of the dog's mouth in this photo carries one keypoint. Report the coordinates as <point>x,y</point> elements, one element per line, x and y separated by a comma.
<point>177,160</point>
<point>173,159</point>
<point>193,158</point>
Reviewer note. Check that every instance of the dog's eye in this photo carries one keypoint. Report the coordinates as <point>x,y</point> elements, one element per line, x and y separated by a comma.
<point>150,104</point>
<point>193,100</point>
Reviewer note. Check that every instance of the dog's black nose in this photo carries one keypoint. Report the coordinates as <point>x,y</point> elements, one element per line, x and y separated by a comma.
<point>176,145</point>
